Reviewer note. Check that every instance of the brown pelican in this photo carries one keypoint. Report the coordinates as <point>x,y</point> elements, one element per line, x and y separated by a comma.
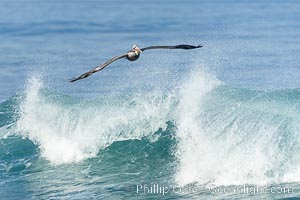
<point>132,55</point>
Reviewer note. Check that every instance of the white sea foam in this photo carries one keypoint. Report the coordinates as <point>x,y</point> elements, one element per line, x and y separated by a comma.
<point>70,133</point>
<point>233,143</point>
<point>193,148</point>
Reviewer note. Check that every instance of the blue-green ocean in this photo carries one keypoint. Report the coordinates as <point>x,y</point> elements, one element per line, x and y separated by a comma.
<point>220,122</point>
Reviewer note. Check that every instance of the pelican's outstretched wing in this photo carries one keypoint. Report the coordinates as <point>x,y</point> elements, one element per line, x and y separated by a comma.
<point>98,68</point>
<point>181,46</point>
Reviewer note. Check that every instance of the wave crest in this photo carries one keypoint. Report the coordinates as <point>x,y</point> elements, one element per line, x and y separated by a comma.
<point>68,131</point>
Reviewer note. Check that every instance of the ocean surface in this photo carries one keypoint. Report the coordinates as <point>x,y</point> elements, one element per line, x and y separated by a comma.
<point>220,122</point>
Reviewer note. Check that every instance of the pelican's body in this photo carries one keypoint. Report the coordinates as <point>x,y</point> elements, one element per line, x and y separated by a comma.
<point>132,55</point>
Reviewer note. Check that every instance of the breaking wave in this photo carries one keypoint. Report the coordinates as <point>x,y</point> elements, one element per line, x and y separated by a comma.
<point>222,135</point>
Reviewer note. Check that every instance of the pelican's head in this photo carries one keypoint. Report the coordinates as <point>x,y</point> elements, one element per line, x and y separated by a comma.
<point>136,49</point>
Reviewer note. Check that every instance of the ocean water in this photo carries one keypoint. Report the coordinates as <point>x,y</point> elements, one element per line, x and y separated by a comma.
<point>220,122</point>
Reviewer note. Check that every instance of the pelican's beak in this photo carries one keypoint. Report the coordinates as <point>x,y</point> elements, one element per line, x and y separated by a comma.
<point>138,49</point>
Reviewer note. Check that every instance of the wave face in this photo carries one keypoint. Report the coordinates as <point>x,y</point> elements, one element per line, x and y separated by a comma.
<point>203,132</point>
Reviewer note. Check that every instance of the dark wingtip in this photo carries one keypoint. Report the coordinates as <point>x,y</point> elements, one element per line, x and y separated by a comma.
<point>72,80</point>
<point>199,46</point>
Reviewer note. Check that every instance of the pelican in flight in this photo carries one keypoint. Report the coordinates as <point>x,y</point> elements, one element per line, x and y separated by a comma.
<point>132,55</point>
